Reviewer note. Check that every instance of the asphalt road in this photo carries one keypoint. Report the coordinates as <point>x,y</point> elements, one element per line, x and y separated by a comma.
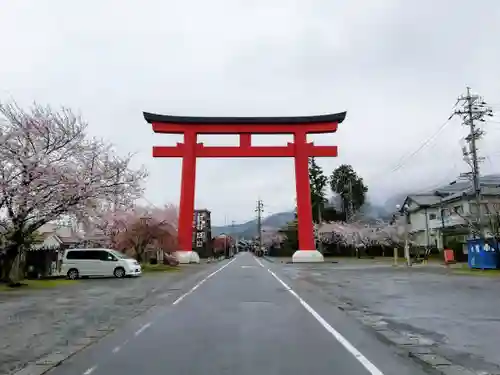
<point>241,319</point>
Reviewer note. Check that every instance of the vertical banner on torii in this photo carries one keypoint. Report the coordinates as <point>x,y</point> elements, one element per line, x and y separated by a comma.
<point>300,150</point>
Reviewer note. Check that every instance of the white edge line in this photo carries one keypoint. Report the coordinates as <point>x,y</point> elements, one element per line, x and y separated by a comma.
<point>179,299</point>
<point>116,349</point>
<point>142,329</point>
<point>259,262</point>
<point>372,369</point>
<point>90,370</point>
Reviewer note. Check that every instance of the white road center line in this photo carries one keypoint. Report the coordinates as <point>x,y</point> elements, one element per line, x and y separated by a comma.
<point>201,282</point>
<point>142,329</point>
<point>372,369</point>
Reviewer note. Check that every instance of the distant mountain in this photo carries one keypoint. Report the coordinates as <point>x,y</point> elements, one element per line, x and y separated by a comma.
<point>391,203</point>
<point>371,212</point>
<point>249,229</point>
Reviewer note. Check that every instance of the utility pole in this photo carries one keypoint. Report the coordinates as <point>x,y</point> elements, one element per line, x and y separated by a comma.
<point>234,235</point>
<point>259,210</point>
<point>473,109</point>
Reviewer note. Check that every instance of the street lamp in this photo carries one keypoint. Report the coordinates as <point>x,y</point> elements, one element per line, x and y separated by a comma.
<point>404,211</point>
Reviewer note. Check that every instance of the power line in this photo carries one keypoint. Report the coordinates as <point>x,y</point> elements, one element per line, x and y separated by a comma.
<point>443,181</point>
<point>405,158</point>
<point>420,148</point>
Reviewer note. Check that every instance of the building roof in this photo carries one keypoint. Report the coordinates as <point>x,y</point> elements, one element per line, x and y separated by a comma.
<point>335,117</point>
<point>424,199</point>
<point>490,185</point>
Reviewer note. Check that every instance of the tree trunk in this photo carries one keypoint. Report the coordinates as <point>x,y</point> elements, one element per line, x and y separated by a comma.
<point>139,254</point>
<point>12,266</point>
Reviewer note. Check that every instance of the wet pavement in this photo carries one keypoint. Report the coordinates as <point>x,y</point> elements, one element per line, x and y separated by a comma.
<point>454,315</point>
<point>36,324</point>
<point>242,319</point>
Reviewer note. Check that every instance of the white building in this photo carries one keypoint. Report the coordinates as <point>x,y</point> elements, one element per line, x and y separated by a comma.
<point>450,211</point>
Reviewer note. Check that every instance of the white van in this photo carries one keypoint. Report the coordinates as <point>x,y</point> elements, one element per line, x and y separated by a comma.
<point>98,262</point>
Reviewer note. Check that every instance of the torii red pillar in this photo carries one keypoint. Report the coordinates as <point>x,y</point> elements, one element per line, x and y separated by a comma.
<point>188,180</point>
<point>303,191</point>
<point>300,150</point>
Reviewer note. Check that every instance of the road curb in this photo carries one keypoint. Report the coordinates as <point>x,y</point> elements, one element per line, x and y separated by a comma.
<point>268,259</point>
<point>424,354</point>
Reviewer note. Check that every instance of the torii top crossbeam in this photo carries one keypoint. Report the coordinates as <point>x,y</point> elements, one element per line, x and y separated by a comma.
<point>245,127</point>
<point>236,125</point>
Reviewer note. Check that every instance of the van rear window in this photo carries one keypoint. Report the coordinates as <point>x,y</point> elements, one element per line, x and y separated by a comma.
<point>75,255</point>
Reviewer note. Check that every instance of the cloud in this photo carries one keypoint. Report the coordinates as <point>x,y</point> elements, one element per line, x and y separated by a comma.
<point>395,66</point>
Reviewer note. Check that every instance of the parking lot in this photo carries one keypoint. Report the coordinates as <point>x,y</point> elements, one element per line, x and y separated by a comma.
<point>35,323</point>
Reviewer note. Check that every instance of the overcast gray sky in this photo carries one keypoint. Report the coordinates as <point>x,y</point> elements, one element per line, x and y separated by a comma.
<point>395,66</point>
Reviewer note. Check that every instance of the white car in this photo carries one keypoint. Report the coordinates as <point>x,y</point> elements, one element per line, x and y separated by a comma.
<point>98,262</point>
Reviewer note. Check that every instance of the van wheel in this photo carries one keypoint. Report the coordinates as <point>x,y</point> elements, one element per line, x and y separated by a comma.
<point>73,274</point>
<point>119,272</point>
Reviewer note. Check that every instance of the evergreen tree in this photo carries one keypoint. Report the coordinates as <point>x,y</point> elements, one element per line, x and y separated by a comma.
<point>349,186</point>
<point>318,182</point>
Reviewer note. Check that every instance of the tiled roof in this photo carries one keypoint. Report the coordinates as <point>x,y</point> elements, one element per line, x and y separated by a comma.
<point>424,199</point>
<point>490,185</point>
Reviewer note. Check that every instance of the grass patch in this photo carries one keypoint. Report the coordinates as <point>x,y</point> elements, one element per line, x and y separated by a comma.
<point>465,270</point>
<point>146,268</point>
<point>38,284</point>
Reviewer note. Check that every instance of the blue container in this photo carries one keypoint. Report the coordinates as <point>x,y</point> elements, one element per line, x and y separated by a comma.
<point>483,255</point>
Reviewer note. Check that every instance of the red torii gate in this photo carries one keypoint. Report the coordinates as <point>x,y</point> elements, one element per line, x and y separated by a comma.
<point>300,150</point>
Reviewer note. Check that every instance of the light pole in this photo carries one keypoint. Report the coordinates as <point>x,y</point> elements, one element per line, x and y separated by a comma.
<point>404,211</point>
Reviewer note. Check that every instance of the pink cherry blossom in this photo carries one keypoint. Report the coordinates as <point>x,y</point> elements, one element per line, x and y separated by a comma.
<point>51,167</point>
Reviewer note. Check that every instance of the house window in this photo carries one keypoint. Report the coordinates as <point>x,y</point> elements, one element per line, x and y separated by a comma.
<point>432,216</point>
<point>458,209</point>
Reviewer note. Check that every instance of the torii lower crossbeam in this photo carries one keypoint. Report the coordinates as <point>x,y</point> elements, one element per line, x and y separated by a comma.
<point>300,150</point>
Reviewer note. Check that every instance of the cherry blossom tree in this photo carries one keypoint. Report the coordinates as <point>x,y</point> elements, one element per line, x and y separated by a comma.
<point>353,234</point>
<point>272,237</point>
<point>392,235</point>
<point>139,227</point>
<point>363,235</point>
<point>51,167</point>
